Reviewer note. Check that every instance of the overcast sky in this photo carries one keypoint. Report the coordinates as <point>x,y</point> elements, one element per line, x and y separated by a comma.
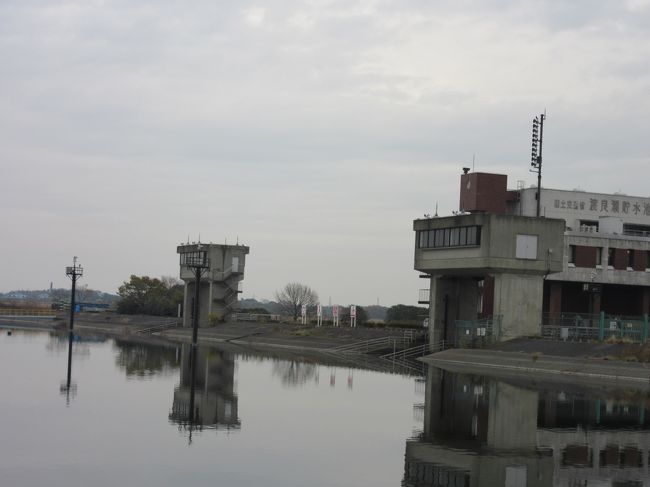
<point>314,132</point>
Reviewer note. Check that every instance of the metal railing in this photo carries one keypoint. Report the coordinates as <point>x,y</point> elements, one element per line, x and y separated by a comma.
<point>375,345</point>
<point>417,351</point>
<point>582,327</point>
<point>165,325</point>
<point>407,358</point>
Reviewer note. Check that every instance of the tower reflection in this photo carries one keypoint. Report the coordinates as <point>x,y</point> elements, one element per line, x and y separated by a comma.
<point>205,397</point>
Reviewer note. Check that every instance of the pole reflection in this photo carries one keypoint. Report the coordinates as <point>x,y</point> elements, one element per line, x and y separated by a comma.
<point>69,388</point>
<point>480,432</point>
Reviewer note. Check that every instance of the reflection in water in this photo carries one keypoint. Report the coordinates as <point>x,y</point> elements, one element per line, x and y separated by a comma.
<point>294,373</point>
<point>145,360</point>
<point>59,341</point>
<point>69,388</point>
<point>205,397</point>
<point>485,432</point>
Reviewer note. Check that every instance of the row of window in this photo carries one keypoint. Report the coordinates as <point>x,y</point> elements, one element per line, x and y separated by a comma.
<point>593,226</point>
<point>450,237</point>
<point>633,258</point>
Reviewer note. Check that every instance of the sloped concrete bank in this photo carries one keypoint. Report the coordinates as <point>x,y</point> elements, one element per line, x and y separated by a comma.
<point>278,339</point>
<point>496,363</point>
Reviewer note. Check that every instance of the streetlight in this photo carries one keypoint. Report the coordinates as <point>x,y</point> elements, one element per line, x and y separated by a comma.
<point>196,259</point>
<point>536,155</point>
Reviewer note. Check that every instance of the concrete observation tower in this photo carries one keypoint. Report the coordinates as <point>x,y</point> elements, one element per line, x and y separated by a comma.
<point>221,268</point>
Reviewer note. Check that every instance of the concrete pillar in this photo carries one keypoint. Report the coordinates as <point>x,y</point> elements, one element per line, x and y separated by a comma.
<point>518,300</point>
<point>604,257</point>
<point>439,289</point>
<point>187,309</point>
<point>433,400</point>
<point>512,419</point>
<point>210,297</point>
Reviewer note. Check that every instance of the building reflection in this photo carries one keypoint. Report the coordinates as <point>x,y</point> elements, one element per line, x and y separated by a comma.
<point>483,432</point>
<point>206,396</point>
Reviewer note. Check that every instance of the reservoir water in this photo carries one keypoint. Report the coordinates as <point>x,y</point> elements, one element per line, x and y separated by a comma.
<point>257,420</point>
<point>142,414</point>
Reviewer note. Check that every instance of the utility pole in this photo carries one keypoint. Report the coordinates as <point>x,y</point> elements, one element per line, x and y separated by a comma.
<point>536,156</point>
<point>74,273</point>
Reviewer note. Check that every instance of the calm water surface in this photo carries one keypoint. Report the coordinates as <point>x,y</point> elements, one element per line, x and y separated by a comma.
<point>143,415</point>
<point>126,419</point>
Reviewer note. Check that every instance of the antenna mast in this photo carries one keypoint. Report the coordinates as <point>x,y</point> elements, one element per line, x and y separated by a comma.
<point>536,156</point>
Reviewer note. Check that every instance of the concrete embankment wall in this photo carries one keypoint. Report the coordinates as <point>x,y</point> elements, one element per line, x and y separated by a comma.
<point>532,365</point>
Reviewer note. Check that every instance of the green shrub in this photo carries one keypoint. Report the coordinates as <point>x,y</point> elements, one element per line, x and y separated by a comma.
<point>375,324</point>
<point>215,318</point>
<point>406,324</point>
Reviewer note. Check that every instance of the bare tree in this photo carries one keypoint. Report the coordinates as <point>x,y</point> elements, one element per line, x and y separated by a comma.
<point>82,293</point>
<point>170,281</point>
<point>292,296</point>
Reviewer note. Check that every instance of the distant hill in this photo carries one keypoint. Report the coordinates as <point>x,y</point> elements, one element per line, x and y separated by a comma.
<point>42,296</point>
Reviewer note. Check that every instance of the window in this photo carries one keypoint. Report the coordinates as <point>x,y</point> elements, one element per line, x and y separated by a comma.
<point>572,255</point>
<point>439,242</point>
<point>463,236</point>
<point>636,230</point>
<point>610,258</point>
<point>599,257</point>
<point>526,247</point>
<point>473,235</point>
<point>449,237</point>
<point>630,259</point>
<point>590,226</point>
<point>455,237</point>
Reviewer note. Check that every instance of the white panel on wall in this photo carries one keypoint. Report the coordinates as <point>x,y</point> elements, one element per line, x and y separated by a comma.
<point>526,247</point>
